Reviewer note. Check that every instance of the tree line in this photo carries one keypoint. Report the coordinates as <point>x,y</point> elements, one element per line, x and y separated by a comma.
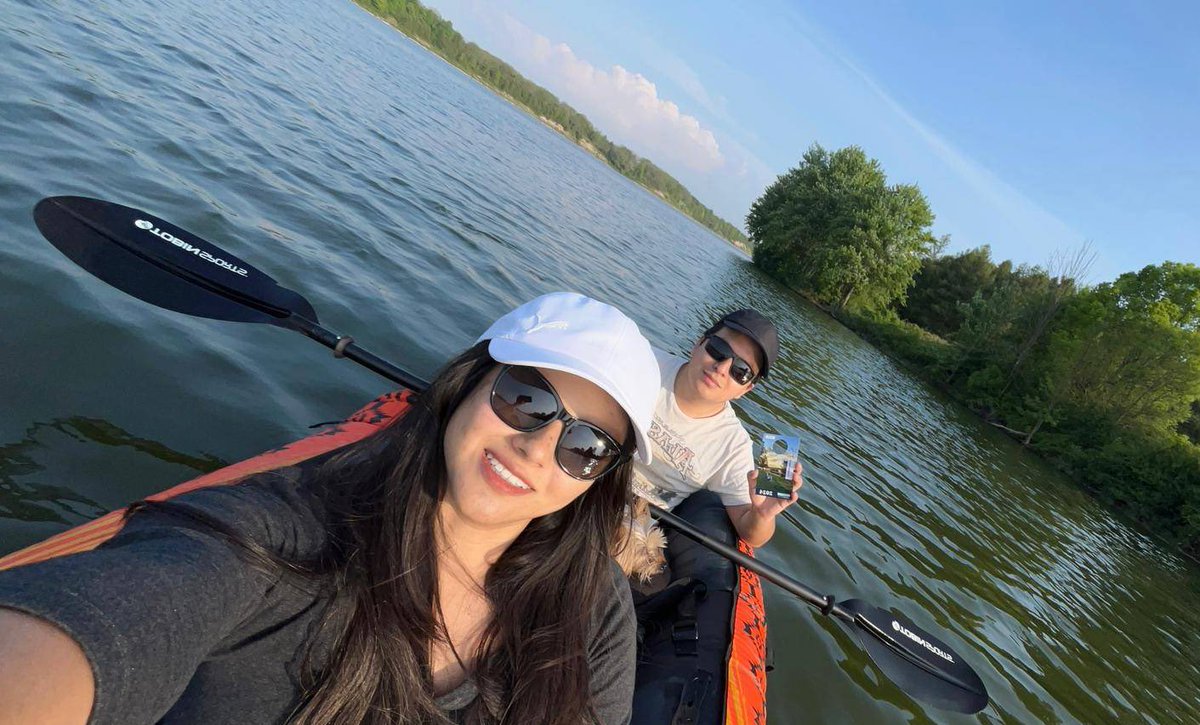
<point>427,26</point>
<point>1102,380</point>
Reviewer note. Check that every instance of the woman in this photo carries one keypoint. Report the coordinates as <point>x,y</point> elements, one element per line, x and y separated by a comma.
<point>452,568</point>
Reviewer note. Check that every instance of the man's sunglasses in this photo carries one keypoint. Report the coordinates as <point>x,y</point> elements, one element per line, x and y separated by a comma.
<point>526,401</point>
<point>718,349</point>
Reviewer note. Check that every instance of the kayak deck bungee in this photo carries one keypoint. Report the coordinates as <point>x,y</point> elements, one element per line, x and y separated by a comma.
<point>370,418</point>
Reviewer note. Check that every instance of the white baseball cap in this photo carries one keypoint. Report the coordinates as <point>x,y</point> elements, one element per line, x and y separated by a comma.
<point>578,335</point>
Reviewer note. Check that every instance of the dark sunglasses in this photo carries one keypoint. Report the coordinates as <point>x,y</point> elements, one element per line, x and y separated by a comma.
<point>718,349</point>
<point>526,401</point>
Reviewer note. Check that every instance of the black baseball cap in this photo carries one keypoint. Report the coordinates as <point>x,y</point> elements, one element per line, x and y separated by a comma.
<point>756,327</point>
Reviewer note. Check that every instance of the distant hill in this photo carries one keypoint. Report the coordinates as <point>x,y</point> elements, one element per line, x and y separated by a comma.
<point>427,27</point>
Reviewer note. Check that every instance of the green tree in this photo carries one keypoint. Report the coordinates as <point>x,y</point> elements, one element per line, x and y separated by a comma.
<point>834,228</point>
<point>1040,309</point>
<point>1010,325</point>
<point>1142,346</point>
<point>1109,365</point>
<point>944,284</point>
<point>1168,292</point>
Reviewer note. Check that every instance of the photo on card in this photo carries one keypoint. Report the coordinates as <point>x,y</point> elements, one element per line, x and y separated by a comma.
<point>776,461</point>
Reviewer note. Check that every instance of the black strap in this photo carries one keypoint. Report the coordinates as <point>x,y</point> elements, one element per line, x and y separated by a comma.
<point>693,698</point>
<point>662,605</point>
<point>685,632</point>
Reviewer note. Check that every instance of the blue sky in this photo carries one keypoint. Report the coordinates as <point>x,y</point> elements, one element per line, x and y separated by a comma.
<point>1032,127</point>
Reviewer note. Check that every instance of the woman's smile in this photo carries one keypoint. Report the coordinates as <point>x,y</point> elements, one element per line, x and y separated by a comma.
<point>502,479</point>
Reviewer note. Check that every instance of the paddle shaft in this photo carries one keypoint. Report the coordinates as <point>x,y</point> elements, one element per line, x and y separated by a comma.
<point>382,367</point>
<point>351,350</point>
<point>824,603</point>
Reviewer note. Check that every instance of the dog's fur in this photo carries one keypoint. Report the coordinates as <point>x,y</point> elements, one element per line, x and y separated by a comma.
<point>640,544</point>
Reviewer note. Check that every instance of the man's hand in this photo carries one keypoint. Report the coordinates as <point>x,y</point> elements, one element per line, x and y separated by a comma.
<point>755,522</point>
<point>769,506</point>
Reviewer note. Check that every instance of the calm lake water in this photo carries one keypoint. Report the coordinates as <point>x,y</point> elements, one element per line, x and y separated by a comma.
<point>412,206</point>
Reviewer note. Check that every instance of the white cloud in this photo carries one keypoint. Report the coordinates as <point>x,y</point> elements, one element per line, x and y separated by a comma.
<point>624,105</point>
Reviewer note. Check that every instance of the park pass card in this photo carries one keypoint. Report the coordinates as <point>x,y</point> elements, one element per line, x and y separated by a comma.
<point>776,463</point>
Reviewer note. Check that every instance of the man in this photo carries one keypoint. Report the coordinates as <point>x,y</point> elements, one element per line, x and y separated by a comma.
<point>697,440</point>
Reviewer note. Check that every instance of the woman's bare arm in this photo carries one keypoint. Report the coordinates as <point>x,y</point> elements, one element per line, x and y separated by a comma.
<point>45,678</point>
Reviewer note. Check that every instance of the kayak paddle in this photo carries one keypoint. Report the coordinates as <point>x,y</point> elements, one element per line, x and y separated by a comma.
<point>159,263</point>
<point>922,665</point>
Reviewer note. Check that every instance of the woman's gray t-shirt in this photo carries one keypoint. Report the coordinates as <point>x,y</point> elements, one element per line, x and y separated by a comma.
<point>179,628</point>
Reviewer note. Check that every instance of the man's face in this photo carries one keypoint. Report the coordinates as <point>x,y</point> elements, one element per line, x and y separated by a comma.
<point>709,378</point>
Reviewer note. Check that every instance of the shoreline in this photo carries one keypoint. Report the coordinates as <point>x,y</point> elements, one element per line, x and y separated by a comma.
<point>553,126</point>
<point>857,326</point>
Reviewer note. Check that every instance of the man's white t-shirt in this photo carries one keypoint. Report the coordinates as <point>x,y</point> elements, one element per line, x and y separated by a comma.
<point>693,453</point>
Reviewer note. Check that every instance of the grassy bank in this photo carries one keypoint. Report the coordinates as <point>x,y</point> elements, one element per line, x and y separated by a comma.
<point>1149,477</point>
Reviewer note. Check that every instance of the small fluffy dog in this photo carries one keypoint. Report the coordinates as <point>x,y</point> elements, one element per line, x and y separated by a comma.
<point>640,543</point>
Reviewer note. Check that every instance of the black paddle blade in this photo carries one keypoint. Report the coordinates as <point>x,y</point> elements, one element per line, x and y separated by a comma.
<point>159,263</point>
<point>921,664</point>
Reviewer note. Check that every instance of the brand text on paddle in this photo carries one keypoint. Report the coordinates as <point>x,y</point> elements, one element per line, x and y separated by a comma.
<point>168,237</point>
<point>917,638</point>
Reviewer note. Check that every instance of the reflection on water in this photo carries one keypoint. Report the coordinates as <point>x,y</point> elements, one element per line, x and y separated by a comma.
<point>71,469</point>
<point>34,469</point>
<point>412,207</point>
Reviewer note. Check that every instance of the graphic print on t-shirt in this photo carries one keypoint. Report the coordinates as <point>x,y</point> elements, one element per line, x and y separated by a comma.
<point>670,445</point>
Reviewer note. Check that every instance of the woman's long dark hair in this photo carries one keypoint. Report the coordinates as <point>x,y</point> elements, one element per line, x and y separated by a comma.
<point>382,494</point>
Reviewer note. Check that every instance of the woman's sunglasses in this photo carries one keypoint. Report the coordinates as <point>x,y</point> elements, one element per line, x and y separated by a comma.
<point>718,349</point>
<point>526,401</point>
